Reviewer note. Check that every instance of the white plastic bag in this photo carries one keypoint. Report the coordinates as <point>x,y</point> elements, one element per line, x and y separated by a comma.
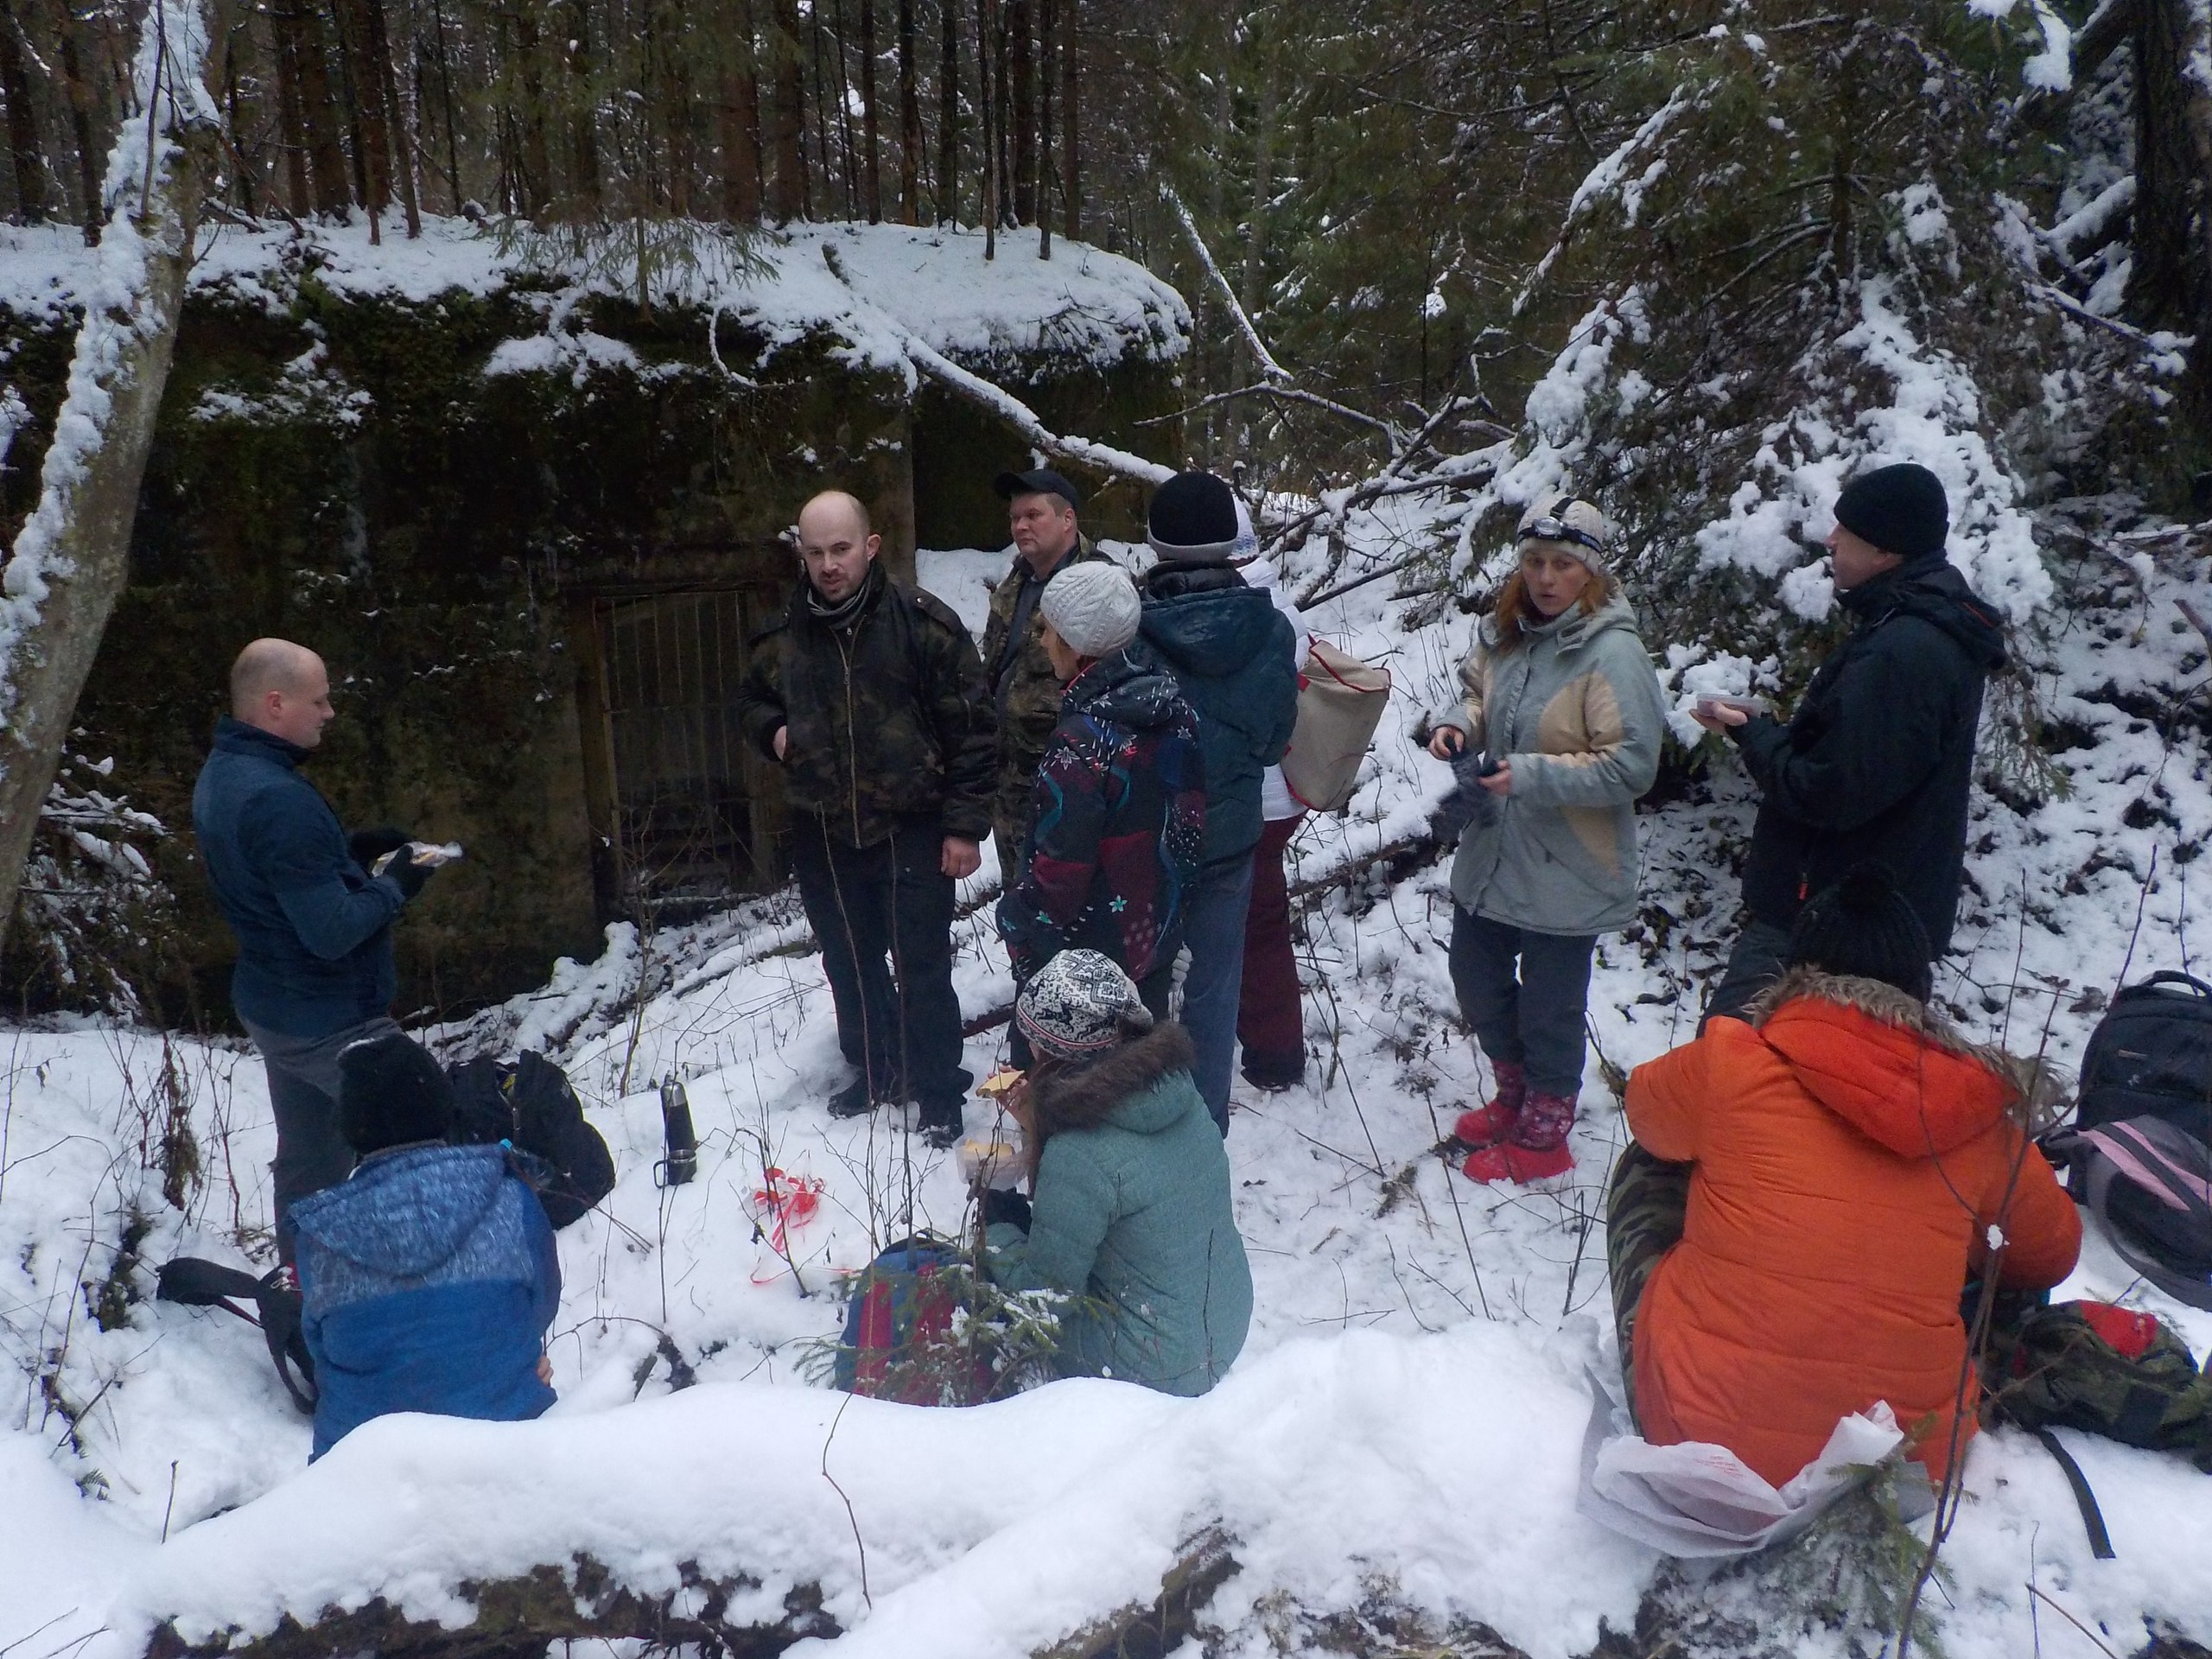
<point>1696,1499</point>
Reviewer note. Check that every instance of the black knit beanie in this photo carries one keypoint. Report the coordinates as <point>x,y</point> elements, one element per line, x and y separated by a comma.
<point>1193,520</point>
<point>391,1092</point>
<point>1865,928</point>
<point>1900,509</point>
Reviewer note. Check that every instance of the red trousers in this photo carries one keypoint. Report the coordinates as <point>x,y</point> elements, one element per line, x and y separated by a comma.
<point>1270,1017</point>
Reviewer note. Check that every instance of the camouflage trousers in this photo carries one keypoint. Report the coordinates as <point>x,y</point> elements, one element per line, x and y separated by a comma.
<point>1646,1205</point>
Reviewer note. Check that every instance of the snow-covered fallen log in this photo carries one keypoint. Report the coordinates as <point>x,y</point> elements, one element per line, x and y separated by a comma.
<point>71,559</point>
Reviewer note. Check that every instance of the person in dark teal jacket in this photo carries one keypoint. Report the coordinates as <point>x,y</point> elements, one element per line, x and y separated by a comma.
<point>1235,657</point>
<point>315,971</point>
<point>428,1278</point>
<point>1131,1214</point>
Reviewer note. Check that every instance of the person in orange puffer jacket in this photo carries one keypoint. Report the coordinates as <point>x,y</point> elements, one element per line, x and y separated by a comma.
<point>1836,1162</point>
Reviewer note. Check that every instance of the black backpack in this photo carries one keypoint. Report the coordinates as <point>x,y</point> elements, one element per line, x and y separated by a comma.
<point>532,1107</point>
<point>192,1282</point>
<point>2140,1155</point>
<point>2152,1054</point>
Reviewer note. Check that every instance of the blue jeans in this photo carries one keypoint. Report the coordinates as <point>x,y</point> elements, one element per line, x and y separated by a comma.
<point>1533,1018</point>
<point>1214,930</point>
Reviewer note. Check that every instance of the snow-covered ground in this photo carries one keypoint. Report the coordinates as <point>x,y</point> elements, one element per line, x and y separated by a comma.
<point>1404,1423</point>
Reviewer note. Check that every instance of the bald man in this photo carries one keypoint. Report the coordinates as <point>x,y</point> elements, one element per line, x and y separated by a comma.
<point>869,696</point>
<point>314,970</point>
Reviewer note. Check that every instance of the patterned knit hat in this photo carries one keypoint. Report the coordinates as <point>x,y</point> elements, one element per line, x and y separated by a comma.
<point>1078,1004</point>
<point>1863,927</point>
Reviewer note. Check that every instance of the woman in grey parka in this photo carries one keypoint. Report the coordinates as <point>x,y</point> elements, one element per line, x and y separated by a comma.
<point>1562,698</point>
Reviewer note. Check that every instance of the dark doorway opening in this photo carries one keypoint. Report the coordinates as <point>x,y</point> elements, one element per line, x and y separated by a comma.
<point>678,799</point>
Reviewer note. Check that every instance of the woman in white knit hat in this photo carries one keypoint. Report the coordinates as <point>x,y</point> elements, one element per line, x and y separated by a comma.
<point>1120,802</point>
<point>1562,707</point>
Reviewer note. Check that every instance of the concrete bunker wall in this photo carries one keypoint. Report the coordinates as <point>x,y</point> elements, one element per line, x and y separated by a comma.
<point>532,588</point>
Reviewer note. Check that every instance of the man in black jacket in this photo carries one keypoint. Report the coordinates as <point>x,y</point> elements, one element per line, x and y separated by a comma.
<point>870,696</point>
<point>1878,759</point>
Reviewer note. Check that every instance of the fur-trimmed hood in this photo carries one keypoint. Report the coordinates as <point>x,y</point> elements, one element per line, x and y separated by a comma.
<point>1893,1067</point>
<point>1086,1097</point>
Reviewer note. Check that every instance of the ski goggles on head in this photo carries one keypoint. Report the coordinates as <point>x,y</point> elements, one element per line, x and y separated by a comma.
<point>1551,529</point>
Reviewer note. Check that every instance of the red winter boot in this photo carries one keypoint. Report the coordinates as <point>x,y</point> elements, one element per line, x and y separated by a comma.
<point>1538,1148</point>
<point>1487,1125</point>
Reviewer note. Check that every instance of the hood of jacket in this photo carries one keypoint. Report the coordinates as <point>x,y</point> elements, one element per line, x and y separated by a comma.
<point>1937,592</point>
<point>1890,1066</point>
<point>405,1212</point>
<point>1576,628</point>
<point>1204,620</point>
<point>1118,1087</point>
<point>1115,688</point>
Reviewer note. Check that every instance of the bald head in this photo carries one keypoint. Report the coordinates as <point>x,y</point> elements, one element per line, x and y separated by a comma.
<point>836,544</point>
<point>835,510</point>
<point>283,690</point>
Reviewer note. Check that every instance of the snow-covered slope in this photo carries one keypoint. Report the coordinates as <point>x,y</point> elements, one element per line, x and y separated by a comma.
<point>1405,1419</point>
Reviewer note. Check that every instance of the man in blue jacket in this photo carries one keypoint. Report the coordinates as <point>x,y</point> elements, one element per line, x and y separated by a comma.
<point>1235,656</point>
<point>314,970</point>
<point>428,1277</point>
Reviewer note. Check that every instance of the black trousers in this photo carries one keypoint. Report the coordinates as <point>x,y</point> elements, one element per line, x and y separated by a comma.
<point>883,915</point>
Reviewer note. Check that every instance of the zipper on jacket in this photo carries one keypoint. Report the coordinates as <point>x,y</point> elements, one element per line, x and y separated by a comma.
<point>852,751</point>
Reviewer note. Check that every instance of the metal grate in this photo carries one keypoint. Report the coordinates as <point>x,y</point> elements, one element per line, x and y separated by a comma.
<point>682,810</point>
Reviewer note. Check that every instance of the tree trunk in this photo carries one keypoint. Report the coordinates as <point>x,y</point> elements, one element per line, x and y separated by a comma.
<point>1071,128</point>
<point>74,555</point>
<point>537,145</point>
<point>291,119</point>
<point>1263,183</point>
<point>910,122</point>
<point>32,188</point>
<point>399,153</point>
<point>848,151</point>
<point>948,118</point>
<point>873,137</point>
<point>372,128</point>
<point>583,132</point>
<point>445,96</point>
<point>1023,74</point>
<point>80,117</point>
<point>2170,282</point>
<point>787,195</point>
<point>986,129</point>
<point>741,118</point>
<point>1048,36</point>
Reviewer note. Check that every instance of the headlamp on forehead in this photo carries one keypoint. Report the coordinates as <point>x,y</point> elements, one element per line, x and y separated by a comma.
<point>1551,529</point>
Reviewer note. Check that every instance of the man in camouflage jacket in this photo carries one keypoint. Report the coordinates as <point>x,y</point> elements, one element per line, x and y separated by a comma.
<point>870,696</point>
<point>1025,691</point>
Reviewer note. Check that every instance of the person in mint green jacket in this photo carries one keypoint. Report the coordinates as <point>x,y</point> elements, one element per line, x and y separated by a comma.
<point>1560,723</point>
<point>1131,1213</point>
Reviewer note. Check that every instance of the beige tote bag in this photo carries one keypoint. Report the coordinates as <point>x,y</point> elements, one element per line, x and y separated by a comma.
<point>1339,705</point>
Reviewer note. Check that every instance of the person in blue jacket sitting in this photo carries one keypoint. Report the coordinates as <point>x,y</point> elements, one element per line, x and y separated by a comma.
<point>429,1276</point>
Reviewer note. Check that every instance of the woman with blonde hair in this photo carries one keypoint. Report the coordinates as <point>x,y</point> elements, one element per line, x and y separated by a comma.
<point>1560,724</point>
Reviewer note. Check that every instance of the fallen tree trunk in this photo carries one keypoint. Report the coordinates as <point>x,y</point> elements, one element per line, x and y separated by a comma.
<point>71,560</point>
<point>521,1614</point>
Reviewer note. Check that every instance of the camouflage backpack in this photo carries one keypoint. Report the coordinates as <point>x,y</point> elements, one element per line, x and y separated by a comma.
<point>2104,1370</point>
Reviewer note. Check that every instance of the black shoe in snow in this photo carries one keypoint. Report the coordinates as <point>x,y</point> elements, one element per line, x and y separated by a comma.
<point>852,1100</point>
<point>941,1126</point>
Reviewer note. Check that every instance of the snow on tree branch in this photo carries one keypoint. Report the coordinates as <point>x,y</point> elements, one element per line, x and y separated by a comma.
<point>1268,367</point>
<point>927,360</point>
<point>1608,178</point>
